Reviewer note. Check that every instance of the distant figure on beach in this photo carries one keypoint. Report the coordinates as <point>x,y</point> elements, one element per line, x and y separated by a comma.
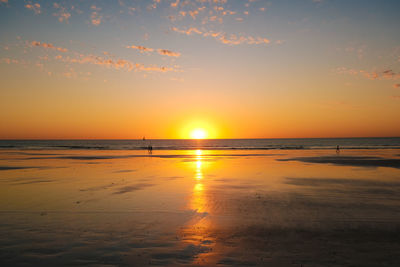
<point>150,149</point>
<point>337,149</point>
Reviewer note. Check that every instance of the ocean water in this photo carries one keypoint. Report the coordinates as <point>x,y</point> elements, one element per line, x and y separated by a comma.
<point>207,144</point>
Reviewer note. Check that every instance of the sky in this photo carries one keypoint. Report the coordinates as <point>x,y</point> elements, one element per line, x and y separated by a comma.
<point>81,69</point>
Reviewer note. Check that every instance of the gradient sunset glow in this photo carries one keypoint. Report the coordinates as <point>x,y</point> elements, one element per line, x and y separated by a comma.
<point>199,69</point>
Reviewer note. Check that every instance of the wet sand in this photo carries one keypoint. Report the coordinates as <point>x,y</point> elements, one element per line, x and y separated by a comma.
<point>207,208</point>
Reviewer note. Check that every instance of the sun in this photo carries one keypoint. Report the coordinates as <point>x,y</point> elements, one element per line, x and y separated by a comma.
<point>198,134</point>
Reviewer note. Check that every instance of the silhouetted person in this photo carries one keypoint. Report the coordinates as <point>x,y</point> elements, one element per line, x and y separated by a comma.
<point>150,149</point>
<point>337,149</point>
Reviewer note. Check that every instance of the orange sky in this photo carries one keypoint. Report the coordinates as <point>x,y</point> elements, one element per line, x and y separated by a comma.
<point>234,69</point>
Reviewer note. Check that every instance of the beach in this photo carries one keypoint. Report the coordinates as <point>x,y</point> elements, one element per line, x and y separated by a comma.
<point>200,207</point>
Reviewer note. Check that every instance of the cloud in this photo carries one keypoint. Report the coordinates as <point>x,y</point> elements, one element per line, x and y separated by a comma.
<point>62,14</point>
<point>163,52</point>
<point>118,64</point>
<point>35,7</point>
<point>372,75</point>
<point>188,31</point>
<point>48,46</point>
<point>381,75</point>
<point>141,48</point>
<point>95,16</point>
<point>4,1</point>
<point>169,53</point>
<point>396,85</point>
<point>175,4</point>
<point>10,60</point>
<point>106,60</point>
<point>193,14</point>
<point>231,39</point>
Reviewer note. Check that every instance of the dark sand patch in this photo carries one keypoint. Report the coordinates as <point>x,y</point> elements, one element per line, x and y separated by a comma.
<point>313,225</point>
<point>6,168</point>
<point>236,186</point>
<point>339,181</point>
<point>123,171</point>
<point>32,154</point>
<point>173,177</point>
<point>351,190</point>
<point>258,245</point>
<point>132,188</point>
<point>185,255</point>
<point>357,161</point>
<point>32,181</point>
<point>82,157</point>
<point>25,180</point>
<point>97,188</point>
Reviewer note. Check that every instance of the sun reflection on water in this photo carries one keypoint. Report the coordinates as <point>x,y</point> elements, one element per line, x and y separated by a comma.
<point>197,232</point>
<point>199,173</point>
<point>198,200</point>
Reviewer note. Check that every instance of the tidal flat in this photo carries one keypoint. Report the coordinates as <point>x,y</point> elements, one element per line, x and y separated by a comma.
<point>200,208</point>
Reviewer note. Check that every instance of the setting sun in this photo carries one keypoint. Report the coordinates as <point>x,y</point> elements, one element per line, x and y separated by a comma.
<point>198,128</point>
<point>198,134</point>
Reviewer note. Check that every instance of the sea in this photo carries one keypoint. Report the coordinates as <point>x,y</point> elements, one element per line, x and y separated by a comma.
<point>206,144</point>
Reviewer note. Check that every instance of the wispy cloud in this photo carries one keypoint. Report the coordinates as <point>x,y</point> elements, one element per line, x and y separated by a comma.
<point>188,31</point>
<point>175,4</point>
<point>207,13</point>
<point>141,48</point>
<point>396,85</point>
<point>106,60</point>
<point>373,75</point>
<point>169,53</point>
<point>62,13</point>
<point>229,39</point>
<point>34,6</point>
<point>48,46</point>
<point>163,52</point>
<point>386,75</point>
<point>10,60</point>
<point>118,64</point>
<point>95,17</point>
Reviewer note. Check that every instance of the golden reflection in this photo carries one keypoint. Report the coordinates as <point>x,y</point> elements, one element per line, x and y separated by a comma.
<point>198,232</point>
<point>199,173</point>
<point>198,200</point>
